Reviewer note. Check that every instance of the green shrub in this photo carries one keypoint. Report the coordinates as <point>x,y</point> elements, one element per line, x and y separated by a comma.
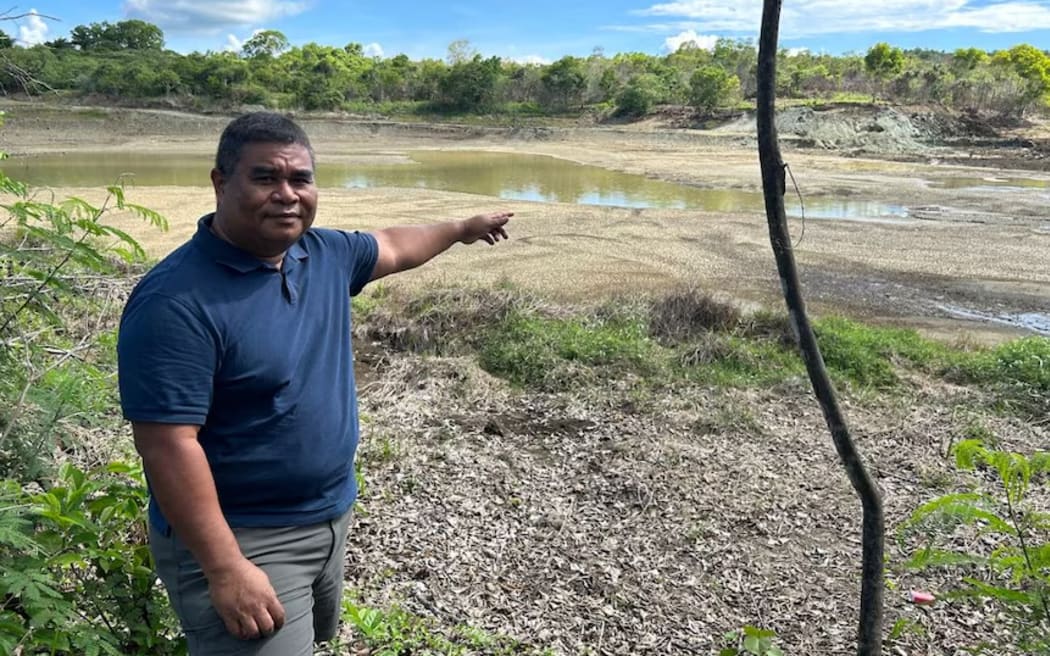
<point>639,96</point>
<point>1008,564</point>
<point>76,575</point>
<point>711,86</point>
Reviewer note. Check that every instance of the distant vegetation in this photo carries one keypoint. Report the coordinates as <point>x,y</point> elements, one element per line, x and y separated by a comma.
<point>126,62</point>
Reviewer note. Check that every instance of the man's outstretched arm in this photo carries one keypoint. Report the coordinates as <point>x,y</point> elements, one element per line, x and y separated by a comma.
<point>407,247</point>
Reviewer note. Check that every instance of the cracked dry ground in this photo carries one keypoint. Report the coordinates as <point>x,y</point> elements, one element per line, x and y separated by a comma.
<point>606,521</point>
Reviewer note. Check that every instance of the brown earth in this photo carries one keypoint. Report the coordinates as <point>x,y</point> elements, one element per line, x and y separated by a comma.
<point>616,520</point>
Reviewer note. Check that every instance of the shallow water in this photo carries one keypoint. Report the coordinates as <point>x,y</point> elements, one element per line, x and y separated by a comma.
<point>500,175</point>
<point>990,183</point>
<point>1037,322</point>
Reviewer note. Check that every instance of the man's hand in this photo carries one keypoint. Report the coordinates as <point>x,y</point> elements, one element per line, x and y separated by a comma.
<point>245,600</point>
<point>405,247</point>
<point>488,227</point>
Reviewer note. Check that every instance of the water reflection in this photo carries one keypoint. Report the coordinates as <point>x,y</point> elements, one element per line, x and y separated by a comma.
<point>500,175</point>
<point>524,177</point>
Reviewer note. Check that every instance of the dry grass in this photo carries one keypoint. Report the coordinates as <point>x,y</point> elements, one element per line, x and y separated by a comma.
<point>688,313</point>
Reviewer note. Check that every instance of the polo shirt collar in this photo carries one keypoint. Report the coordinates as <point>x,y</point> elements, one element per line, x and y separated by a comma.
<point>237,259</point>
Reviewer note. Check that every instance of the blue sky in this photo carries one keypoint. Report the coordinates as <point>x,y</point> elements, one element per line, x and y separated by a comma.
<point>545,30</point>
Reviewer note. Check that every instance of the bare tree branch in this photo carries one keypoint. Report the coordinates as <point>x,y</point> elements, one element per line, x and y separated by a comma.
<point>6,16</point>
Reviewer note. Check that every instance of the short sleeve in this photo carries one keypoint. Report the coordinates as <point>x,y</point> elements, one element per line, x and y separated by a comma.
<point>364,251</point>
<point>167,358</point>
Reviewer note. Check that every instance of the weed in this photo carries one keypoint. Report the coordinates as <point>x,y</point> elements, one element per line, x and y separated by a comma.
<point>439,320</point>
<point>768,325</point>
<point>750,641</point>
<point>735,361</point>
<point>395,631</point>
<point>364,304</point>
<point>1014,570</point>
<point>1019,370</point>
<point>903,627</point>
<point>731,417</point>
<point>385,451</point>
<point>867,356</point>
<point>549,353</point>
<point>92,113</point>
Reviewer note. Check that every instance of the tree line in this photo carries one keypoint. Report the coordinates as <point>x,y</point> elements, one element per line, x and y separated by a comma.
<point>127,61</point>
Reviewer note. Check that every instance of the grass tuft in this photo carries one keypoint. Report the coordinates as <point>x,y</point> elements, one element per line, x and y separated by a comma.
<point>439,320</point>
<point>688,313</point>
<point>870,356</point>
<point>551,353</point>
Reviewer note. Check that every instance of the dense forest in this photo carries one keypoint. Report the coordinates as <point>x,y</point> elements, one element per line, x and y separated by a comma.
<point>127,62</point>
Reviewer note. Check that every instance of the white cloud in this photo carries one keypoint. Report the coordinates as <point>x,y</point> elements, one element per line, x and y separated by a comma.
<point>233,44</point>
<point>1004,17</point>
<point>210,15</point>
<point>702,41</point>
<point>373,50</point>
<point>810,17</point>
<point>35,31</point>
<point>713,15</point>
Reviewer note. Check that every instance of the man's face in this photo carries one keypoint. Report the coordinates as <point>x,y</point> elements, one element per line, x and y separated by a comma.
<point>268,201</point>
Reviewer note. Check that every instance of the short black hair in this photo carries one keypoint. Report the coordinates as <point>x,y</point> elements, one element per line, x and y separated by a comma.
<point>257,127</point>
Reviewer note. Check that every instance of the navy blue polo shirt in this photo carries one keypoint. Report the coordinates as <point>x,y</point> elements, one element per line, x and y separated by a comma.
<point>260,358</point>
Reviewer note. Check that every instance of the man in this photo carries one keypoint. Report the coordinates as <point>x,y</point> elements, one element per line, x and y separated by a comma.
<point>236,372</point>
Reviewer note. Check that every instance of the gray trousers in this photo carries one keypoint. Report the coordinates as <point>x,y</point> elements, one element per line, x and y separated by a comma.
<point>305,566</point>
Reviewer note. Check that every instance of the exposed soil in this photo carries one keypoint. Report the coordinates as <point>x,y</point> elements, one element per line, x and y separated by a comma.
<point>604,522</point>
<point>610,521</point>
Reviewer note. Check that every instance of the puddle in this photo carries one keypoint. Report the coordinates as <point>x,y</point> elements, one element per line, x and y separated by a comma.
<point>990,183</point>
<point>499,175</point>
<point>1035,321</point>
<point>853,209</point>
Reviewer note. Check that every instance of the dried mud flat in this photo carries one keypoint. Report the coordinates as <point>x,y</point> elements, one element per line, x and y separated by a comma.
<point>611,522</point>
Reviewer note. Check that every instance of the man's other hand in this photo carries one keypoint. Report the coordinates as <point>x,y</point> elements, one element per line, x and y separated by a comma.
<point>246,602</point>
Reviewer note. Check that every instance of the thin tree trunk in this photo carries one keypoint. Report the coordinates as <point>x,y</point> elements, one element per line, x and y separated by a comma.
<point>869,639</point>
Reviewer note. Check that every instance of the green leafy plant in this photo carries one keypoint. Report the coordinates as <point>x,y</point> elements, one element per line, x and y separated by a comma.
<point>1013,571</point>
<point>61,267</point>
<point>76,574</point>
<point>751,641</point>
<point>396,632</point>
